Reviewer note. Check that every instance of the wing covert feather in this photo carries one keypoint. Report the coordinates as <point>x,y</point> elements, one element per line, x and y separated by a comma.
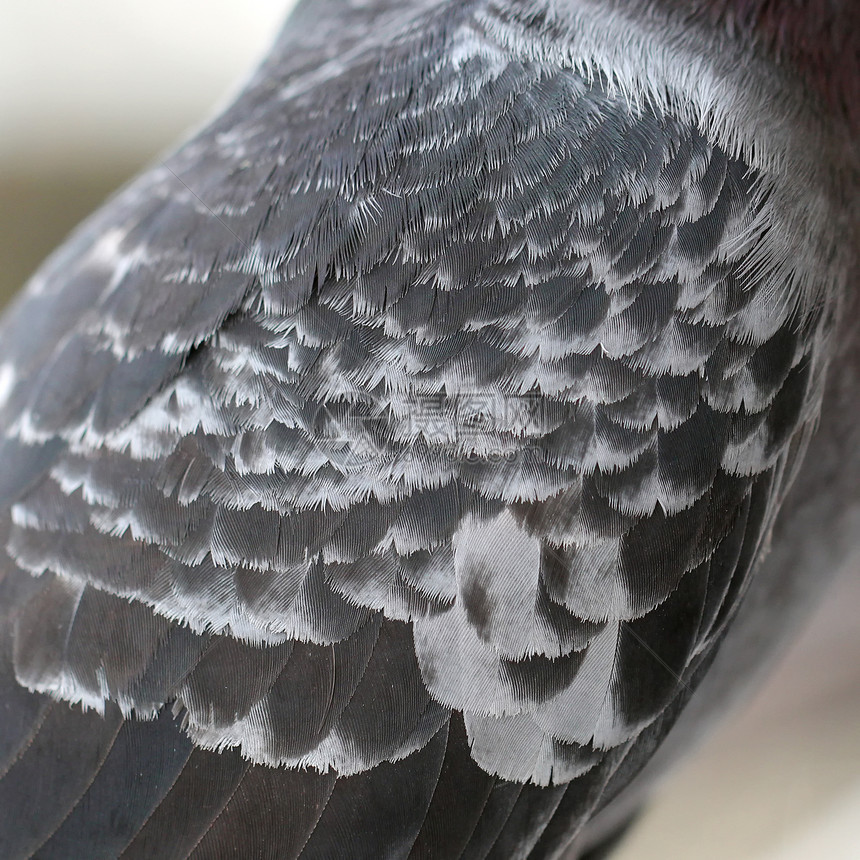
<point>408,448</point>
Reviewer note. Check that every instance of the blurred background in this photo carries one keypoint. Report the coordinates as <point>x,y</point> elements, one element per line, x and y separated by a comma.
<point>91,91</point>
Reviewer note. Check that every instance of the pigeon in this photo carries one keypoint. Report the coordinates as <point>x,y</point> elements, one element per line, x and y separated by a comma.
<point>415,462</point>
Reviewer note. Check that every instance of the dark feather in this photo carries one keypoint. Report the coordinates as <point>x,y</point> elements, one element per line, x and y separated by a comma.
<point>52,774</point>
<point>193,805</point>
<point>449,823</point>
<point>99,826</point>
<point>393,799</point>
<point>267,807</point>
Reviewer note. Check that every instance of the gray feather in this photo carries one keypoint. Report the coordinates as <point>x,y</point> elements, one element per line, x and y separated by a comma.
<point>444,371</point>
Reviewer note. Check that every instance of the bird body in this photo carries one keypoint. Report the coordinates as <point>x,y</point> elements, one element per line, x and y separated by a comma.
<point>384,469</point>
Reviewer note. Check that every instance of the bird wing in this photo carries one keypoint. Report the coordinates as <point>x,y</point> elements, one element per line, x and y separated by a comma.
<point>384,421</point>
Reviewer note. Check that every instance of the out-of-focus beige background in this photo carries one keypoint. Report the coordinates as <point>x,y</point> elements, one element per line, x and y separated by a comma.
<point>92,90</point>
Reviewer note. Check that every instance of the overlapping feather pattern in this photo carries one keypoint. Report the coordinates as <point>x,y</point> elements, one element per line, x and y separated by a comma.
<point>443,381</point>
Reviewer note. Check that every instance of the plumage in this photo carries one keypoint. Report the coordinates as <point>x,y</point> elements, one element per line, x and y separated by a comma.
<point>411,438</point>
